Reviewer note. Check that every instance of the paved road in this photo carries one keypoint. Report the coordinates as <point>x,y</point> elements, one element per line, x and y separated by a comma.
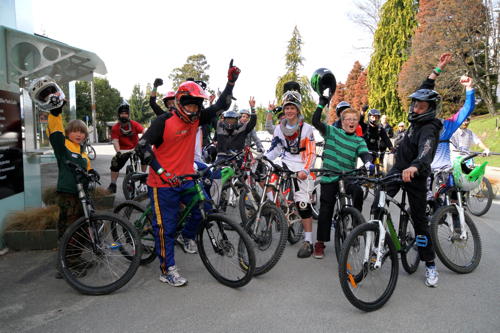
<point>297,295</point>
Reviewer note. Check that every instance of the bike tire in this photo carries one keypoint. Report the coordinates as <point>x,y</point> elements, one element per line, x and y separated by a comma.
<point>228,262</point>
<point>91,152</point>
<point>410,258</point>
<point>143,199</point>
<point>479,200</point>
<point>245,206</point>
<point>365,287</point>
<point>269,238</point>
<point>134,212</point>
<point>460,256</point>
<point>316,194</point>
<point>132,188</point>
<point>351,218</point>
<point>109,271</point>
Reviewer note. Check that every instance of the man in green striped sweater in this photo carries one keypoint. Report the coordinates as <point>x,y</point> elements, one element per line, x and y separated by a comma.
<point>342,149</point>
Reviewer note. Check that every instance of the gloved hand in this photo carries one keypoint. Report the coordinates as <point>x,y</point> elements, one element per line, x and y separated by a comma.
<point>323,101</point>
<point>118,154</point>
<point>94,173</point>
<point>370,168</point>
<point>392,150</point>
<point>157,83</point>
<point>114,160</point>
<point>233,72</point>
<point>487,152</point>
<point>171,181</point>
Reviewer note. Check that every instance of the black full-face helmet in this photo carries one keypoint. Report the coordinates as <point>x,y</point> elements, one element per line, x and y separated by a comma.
<point>374,112</point>
<point>230,120</point>
<point>323,79</point>
<point>426,95</point>
<point>341,107</point>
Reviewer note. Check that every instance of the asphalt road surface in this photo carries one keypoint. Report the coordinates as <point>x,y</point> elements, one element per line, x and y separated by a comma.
<point>297,295</point>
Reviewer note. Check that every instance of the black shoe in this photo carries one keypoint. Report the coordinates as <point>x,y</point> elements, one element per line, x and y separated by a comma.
<point>112,188</point>
<point>305,250</point>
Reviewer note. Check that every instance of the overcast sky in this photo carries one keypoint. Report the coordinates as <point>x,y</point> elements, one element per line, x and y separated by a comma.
<point>142,40</point>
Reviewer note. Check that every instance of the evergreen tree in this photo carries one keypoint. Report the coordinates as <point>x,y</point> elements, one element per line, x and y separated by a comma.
<point>391,40</point>
<point>195,67</point>
<point>140,110</point>
<point>107,100</point>
<point>294,60</point>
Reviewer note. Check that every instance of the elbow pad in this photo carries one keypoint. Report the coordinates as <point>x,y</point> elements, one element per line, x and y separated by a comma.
<point>145,152</point>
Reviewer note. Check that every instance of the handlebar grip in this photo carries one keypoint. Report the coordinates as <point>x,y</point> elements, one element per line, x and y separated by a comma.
<point>469,157</point>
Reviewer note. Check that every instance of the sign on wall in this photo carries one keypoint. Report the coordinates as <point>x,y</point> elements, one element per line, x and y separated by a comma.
<point>11,145</point>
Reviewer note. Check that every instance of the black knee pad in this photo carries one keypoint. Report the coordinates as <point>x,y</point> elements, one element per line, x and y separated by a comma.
<point>305,209</point>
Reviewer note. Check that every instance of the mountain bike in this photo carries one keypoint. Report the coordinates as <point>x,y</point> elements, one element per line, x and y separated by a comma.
<point>454,234</point>
<point>225,248</point>
<point>100,252</point>
<point>89,149</point>
<point>345,216</point>
<point>132,187</point>
<point>368,263</point>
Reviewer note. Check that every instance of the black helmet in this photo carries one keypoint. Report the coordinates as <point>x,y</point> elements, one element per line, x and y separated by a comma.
<point>341,107</point>
<point>291,86</point>
<point>426,95</point>
<point>202,84</point>
<point>374,112</point>
<point>123,108</point>
<point>228,124</point>
<point>278,111</point>
<point>321,80</point>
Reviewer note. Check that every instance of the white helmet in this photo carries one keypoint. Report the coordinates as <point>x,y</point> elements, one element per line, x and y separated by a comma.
<point>245,111</point>
<point>43,93</point>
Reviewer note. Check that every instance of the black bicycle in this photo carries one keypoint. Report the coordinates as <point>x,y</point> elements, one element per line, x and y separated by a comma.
<point>133,186</point>
<point>100,252</point>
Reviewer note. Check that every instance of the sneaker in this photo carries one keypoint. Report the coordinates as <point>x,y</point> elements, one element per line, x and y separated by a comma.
<point>173,277</point>
<point>432,276</point>
<point>112,188</point>
<point>188,245</point>
<point>319,250</point>
<point>305,250</point>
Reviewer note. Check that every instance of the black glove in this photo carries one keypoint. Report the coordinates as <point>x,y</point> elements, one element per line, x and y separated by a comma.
<point>392,150</point>
<point>323,101</point>
<point>56,112</point>
<point>94,173</point>
<point>233,72</point>
<point>118,154</point>
<point>158,82</point>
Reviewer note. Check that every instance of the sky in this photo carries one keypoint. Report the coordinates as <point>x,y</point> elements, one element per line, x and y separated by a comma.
<point>143,40</point>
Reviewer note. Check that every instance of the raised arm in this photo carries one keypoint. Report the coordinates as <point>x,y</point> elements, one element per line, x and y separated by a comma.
<point>316,120</point>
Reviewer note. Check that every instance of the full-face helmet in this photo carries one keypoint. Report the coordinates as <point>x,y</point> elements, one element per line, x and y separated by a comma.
<point>426,95</point>
<point>466,178</point>
<point>189,92</point>
<point>44,93</point>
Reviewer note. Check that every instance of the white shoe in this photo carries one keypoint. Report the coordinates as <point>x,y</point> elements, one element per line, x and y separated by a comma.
<point>189,245</point>
<point>432,276</point>
<point>173,277</point>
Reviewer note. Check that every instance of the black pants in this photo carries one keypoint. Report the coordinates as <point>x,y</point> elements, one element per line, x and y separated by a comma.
<point>327,201</point>
<point>417,198</point>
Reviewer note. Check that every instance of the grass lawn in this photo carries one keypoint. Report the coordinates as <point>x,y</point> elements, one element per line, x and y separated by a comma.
<point>484,127</point>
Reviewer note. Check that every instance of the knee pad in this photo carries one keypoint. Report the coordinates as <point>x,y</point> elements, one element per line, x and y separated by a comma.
<point>305,209</point>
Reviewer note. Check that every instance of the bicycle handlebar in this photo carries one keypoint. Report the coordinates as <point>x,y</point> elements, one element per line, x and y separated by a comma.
<point>329,172</point>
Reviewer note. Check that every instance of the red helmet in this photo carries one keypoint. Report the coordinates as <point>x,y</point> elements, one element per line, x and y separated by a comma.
<point>189,93</point>
<point>169,95</point>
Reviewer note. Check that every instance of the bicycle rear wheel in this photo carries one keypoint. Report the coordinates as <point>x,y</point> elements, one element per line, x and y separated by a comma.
<point>136,214</point>
<point>366,287</point>
<point>479,199</point>
<point>268,238</point>
<point>90,152</point>
<point>459,255</point>
<point>409,250</point>
<point>104,268</point>
<point>229,262</point>
<point>350,218</point>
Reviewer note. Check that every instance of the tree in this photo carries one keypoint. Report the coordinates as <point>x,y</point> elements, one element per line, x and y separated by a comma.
<point>470,31</point>
<point>360,97</point>
<point>391,40</point>
<point>366,14</point>
<point>294,60</point>
<point>261,118</point>
<point>107,100</point>
<point>140,110</point>
<point>195,67</point>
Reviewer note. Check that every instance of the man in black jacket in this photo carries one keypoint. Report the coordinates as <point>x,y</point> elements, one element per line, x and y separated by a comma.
<point>390,133</point>
<point>413,161</point>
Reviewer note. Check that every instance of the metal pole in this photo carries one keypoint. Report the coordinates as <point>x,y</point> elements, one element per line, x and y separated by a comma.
<point>92,96</point>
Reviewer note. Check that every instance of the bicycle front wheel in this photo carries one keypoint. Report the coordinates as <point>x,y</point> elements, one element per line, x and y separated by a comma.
<point>459,255</point>
<point>230,263</point>
<point>92,260</point>
<point>142,219</point>
<point>269,234</point>
<point>409,250</point>
<point>368,288</point>
<point>91,152</point>
<point>350,218</point>
<point>479,199</point>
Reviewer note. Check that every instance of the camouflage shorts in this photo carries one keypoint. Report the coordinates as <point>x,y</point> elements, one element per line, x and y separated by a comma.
<point>70,209</point>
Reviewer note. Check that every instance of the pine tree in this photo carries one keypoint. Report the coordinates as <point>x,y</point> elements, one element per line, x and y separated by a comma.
<point>140,110</point>
<point>336,99</point>
<point>294,60</point>
<point>391,41</point>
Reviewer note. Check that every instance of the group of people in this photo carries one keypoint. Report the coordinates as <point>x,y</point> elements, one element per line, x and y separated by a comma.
<point>173,145</point>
